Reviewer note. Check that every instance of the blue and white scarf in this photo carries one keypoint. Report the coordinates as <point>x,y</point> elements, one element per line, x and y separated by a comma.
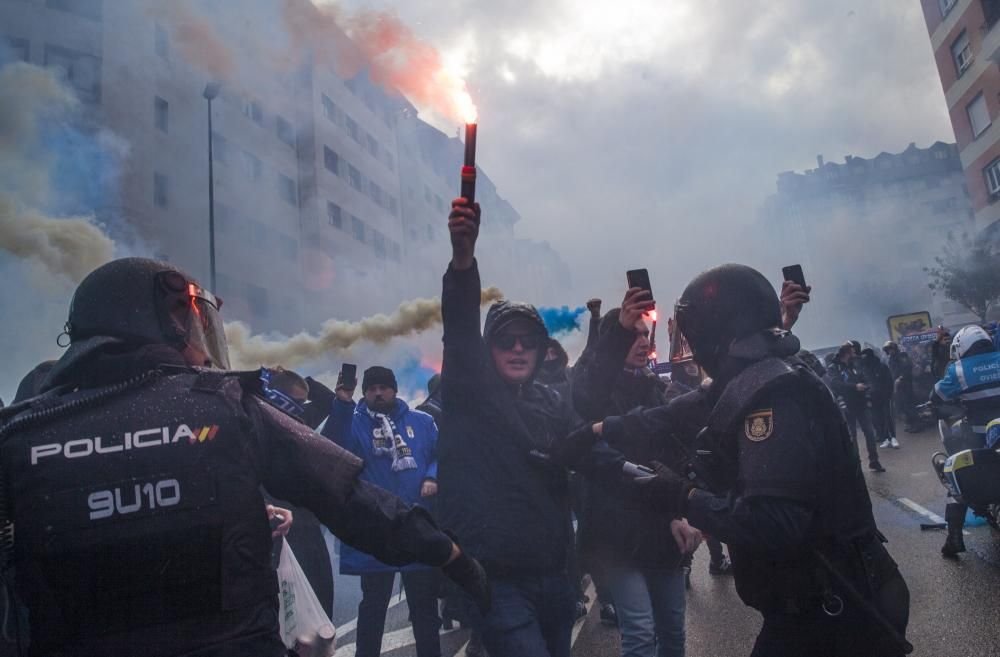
<point>387,441</point>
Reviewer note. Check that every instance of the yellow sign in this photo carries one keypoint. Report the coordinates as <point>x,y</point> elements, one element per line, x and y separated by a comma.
<point>911,324</point>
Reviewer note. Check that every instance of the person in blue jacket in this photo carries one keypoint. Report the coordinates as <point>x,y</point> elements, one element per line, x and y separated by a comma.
<point>397,445</point>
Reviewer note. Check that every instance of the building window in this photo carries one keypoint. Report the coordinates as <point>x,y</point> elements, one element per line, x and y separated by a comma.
<point>19,48</point>
<point>334,215</point>
<point>82,71</point>
<point>357,229</point>
<point>330,110</point>
<point>372,146</point>
<point>357,180</point>
<point>352,129</point>
<point>331,161</point>
<point>91,9</point>
<point>286,189</point>
<point>946,6</point>
<point>393,206</point>
<point>941,154</point>
<point>252,166</point>
<point>253,111</point>
<point>378,241</point>
<point>961,52</point>
<point>390,161</point>
<point>160,198</point>
<point>375,193</point>
<point>992,173</point>
<point>222,217</point>
<point>161,41</point>
<point>979,115</point>
<point>289,247</point>
<point>160,114</point>
<point>220,148</point>
<point>257,300</point>
<point>286,132</point>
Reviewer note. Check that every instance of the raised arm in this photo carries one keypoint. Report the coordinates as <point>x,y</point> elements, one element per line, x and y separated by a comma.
<point>460,296</point>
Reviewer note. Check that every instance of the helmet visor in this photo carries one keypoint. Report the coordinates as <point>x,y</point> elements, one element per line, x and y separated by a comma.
<point>205,330</point>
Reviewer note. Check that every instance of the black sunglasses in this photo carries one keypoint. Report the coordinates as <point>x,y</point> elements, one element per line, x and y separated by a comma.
<point>507,341</point>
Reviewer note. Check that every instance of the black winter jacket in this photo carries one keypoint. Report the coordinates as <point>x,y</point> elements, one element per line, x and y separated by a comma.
<point>843,380</point>
<point>615,528</point>
<point>506,503</point>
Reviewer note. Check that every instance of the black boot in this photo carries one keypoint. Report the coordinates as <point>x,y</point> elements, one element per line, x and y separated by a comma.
<point>954,515</point>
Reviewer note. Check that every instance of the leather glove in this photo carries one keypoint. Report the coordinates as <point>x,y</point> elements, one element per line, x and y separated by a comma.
<point>665,490</point>
<point>470,576</point>
<point>571,449</point>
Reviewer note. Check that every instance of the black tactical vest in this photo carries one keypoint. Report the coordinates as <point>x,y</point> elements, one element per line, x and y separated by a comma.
<point>139,519</point>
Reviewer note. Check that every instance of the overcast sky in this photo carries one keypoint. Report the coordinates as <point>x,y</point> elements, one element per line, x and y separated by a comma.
<point>653,127</point>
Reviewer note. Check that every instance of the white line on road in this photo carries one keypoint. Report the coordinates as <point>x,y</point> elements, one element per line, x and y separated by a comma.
<point>390,641</point>
<point>913,506</point>
<point>927,513</point>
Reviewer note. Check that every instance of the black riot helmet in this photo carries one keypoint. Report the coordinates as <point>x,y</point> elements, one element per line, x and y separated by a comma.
<point>724,304</point>
<point>141,301</point>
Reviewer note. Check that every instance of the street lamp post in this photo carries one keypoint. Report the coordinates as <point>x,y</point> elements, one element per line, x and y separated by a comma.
<point>211,91</point>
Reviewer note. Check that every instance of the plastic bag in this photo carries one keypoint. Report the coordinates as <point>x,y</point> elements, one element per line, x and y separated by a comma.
<point>300,612</point>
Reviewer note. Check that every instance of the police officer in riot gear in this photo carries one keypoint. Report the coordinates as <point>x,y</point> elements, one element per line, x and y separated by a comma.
<point>789,497</point>
<point>134,481</point>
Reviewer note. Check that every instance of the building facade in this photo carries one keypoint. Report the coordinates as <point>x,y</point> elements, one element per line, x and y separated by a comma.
<point>331,194</point>
<point>966,43</point>
<point>873,224</point>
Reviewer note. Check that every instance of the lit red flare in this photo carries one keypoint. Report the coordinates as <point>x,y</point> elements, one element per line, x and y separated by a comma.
<point>469,165</point>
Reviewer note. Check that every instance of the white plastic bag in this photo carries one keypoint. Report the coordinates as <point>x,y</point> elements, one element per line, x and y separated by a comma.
<point>300,612</point>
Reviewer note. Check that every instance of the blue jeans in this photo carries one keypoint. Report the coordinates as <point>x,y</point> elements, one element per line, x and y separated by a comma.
<point>421,598</point>
<point>531,616</point>
<point>650,604</point>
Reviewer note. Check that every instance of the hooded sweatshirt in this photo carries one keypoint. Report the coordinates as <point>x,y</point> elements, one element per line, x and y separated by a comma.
<point>507,506</point>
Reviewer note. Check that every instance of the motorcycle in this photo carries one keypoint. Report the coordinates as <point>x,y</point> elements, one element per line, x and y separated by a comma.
<point>970,468</point>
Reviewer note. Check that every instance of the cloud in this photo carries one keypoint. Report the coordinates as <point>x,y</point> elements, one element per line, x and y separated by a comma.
<point>643,133</point>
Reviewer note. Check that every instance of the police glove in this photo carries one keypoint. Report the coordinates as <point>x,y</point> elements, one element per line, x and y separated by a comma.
<point>665,490</point>
<point>571,449</point>
<point>469,574</point>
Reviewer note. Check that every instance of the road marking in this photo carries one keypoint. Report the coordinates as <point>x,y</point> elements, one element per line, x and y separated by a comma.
<point>390,641</point>
<point>927,513</point>
<point>913,506</point>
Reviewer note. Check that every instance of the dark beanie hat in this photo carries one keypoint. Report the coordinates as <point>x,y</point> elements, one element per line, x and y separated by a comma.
<point>378,375</point>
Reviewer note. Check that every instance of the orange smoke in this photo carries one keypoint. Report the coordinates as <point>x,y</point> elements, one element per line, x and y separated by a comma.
<point>199,42</point>
<point>395,56</point>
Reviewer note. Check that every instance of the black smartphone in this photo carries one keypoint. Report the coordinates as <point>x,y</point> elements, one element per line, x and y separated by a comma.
<point>794,274</point>
<point>638,278</point>
<point>349,376</point>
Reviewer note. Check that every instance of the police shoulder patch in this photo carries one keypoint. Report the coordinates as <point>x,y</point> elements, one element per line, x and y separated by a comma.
<point>759,425</point>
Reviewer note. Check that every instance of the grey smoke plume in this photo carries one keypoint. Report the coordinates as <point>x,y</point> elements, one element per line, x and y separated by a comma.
<point>68,247</point>
<point>410,318</point>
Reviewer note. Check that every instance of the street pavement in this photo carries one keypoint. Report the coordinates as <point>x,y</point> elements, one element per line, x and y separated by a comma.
<point>954,604</point>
